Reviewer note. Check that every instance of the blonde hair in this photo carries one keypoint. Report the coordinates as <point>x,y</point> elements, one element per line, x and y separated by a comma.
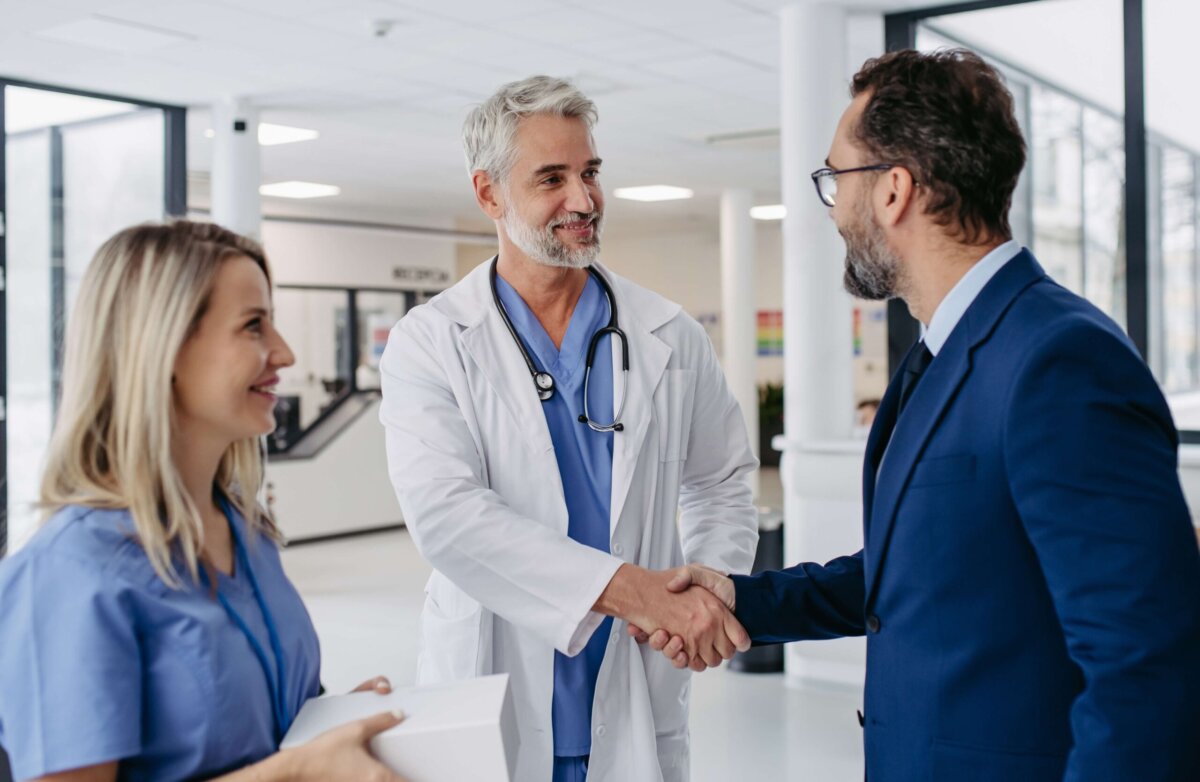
<point>138,303</point>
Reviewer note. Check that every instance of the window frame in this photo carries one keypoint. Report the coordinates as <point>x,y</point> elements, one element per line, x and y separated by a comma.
<point>174,205</point>
<point>900,31</point>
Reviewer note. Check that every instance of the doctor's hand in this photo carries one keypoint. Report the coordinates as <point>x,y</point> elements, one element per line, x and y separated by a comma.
<point>716,582</point>
<point>706,630</point>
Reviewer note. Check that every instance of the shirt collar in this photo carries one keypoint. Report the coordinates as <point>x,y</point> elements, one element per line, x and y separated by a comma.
<point>960,297</point>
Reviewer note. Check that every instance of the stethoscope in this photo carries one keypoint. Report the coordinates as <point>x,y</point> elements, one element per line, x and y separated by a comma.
<point>543,382</point>
<point>277,685</point>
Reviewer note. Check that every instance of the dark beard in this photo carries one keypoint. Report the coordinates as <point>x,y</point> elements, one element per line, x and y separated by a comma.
<point>872,269</point>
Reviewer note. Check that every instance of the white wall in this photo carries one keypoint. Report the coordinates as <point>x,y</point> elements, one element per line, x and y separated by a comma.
<point>682,261</point>
<point>351,256</point>
<point>340,256</point>
<point>343,488</point>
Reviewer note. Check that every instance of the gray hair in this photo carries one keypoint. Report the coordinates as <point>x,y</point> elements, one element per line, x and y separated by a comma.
<point>491,127</point>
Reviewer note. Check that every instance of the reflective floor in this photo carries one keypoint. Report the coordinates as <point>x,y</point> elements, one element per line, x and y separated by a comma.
<point>365,597</point>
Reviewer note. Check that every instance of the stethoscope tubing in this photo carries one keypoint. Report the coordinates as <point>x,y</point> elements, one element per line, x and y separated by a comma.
<point>543,382</point>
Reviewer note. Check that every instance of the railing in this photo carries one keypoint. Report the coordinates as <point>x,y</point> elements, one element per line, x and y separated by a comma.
<point>336,371</point>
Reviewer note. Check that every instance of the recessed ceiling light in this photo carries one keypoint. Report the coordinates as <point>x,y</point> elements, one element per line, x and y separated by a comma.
<point>653,193</point>
<point>270,135</point>
<point>273,135</point>
<point>299,190</point>
<point>768,212</point>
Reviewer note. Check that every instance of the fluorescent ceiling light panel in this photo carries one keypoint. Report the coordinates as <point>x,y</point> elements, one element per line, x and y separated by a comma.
<point>114,35</point>
<point>273,135</point>
<point>270,135</point>
<point>768,212</point>
<point>299,190</point>
<point>653,193</point>
<point>29,109</point>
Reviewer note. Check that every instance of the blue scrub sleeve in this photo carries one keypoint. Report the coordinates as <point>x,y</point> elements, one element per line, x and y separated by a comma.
<point>70,667</point>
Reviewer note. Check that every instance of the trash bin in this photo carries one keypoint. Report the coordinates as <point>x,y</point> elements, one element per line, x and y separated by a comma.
<point>769,556</point>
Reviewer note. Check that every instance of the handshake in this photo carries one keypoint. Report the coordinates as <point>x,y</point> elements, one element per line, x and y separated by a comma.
<point>685,613</point>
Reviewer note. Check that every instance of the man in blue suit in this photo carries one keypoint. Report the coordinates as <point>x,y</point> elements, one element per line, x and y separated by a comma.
<point>1029,584</point>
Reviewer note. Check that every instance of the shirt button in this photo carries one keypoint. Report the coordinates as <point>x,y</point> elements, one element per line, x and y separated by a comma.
<point>873,623</point>
<point>618,550</point>
<point>615,635</point>
<point>600,731</point>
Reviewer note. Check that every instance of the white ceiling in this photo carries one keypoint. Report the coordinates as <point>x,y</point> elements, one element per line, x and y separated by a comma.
<point>665,74</point>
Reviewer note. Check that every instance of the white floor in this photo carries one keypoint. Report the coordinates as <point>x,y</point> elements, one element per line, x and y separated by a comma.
<point>365,597</point>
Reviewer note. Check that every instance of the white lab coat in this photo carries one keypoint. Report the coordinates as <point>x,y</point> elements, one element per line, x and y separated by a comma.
<point>473,465</point>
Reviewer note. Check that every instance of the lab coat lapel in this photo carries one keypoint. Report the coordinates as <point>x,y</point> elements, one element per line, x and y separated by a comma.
<point>492,349</point>
<point>648,357</point>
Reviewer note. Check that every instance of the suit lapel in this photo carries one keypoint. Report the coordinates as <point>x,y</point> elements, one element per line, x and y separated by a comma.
<point>884,485</point>
<point>877,440</point>
<point>912,431</point>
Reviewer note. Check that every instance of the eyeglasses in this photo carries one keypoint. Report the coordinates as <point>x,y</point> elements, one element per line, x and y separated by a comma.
<point>825,180</point>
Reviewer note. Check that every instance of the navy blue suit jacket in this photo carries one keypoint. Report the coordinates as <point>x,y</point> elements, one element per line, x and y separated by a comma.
<point>1030,582</point>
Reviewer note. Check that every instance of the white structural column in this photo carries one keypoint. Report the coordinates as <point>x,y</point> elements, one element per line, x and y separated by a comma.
<point>236,203</point>
<point>738,312</point>
<point>817,312</point>
<point>820,468</point>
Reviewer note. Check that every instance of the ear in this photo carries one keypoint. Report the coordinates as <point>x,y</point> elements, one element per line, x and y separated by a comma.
<point>896,195</point>
<point>488,194</point>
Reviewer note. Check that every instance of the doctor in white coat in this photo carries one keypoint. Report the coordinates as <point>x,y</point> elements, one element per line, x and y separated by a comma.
<point>539,526</point>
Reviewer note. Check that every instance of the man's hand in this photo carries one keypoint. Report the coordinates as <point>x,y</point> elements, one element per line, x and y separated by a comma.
<point>662,602</point>
<point>686,579</point>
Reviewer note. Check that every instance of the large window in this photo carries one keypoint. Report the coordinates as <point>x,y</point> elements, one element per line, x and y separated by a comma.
<point>74,169</point>
<point>1110,198</point>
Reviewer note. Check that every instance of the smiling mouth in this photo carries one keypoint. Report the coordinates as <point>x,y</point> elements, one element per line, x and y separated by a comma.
<point>578,226</point>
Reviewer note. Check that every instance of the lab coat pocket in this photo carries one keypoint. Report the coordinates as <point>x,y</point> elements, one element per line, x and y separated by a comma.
<point>670,693</point>
<point>673,401</point>
<point>450,634</point>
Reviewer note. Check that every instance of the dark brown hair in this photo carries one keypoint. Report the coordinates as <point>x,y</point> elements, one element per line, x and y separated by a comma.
<point>948,118</point>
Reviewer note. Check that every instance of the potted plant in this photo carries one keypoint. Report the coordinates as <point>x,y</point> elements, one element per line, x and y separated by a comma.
<point>770,421</point>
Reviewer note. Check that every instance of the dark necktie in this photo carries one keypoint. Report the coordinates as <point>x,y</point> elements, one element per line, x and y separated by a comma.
<point>913,370</point>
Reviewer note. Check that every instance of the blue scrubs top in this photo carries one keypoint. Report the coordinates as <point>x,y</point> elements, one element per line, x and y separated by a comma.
<point>585,465</point>
<point>100,661</point>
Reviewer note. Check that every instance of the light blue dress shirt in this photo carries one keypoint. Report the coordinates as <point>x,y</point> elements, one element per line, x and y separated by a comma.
<point>585,465</point>
<point>960,297</point>
<point>100,661</point>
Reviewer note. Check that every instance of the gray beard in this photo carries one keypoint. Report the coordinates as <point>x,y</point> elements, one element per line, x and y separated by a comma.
<point>543,247</point>
<point>873,270</point>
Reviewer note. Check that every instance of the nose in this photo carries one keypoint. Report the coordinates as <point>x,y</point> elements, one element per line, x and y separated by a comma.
<point>281,354</point>
<point>579,198</point>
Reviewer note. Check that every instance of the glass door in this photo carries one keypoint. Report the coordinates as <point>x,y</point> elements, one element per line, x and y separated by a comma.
<point>74,169</point>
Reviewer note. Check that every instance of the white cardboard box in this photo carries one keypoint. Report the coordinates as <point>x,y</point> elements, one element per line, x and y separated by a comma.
<point>451,733</point>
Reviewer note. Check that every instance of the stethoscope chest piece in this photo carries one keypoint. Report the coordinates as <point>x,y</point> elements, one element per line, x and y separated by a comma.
<point>545,385</point>
<point>543,382</point>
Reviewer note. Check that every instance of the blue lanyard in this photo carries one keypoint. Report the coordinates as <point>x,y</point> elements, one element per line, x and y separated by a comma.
<point>277,685</point>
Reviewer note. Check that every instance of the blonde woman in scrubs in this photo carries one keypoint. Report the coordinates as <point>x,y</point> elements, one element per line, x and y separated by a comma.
<point>148,631</point>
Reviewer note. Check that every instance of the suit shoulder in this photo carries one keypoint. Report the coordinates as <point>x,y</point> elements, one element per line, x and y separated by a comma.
<point>1047,316</point>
